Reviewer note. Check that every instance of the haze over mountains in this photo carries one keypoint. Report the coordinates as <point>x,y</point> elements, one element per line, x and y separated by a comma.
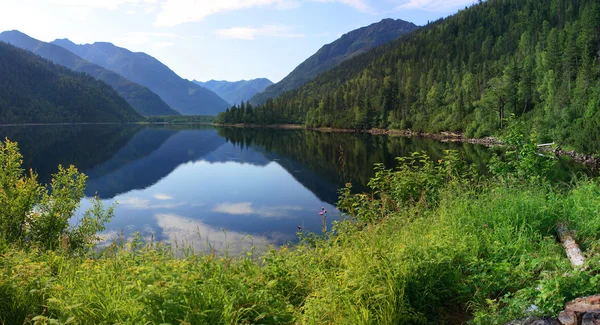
<point>34,90</point>
<point>142,99</point>
<point>236,92</point>
<point>182,95</point>
<point>349,45</point>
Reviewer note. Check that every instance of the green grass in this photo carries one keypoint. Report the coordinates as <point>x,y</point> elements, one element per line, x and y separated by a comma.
<point>487,253</point>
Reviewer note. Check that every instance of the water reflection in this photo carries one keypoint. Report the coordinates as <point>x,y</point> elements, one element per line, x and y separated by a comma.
<point>223,188</point>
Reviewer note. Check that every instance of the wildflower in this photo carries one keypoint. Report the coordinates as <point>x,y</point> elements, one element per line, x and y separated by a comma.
<point>321,213</point>
<point>299,227</point>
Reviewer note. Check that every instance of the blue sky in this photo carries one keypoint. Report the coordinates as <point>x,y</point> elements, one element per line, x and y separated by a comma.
<point>215,39</point>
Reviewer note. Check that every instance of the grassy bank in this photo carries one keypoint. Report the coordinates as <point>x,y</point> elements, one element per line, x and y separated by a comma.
<point>432,243</point>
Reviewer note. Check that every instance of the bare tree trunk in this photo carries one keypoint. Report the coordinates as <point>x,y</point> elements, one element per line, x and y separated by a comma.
<point>571,248</point>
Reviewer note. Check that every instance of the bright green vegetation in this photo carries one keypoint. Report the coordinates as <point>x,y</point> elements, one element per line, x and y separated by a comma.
<point>180,119</point>
<point>142,99</point>
<point>349,45</point>
<point>433,242</point>
<point>238,91</point>
<point>535,59</point>
<point>180,94</point>
<point>58,94</point>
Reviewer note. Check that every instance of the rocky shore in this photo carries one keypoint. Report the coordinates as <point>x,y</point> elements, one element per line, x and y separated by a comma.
<point>581,311</point>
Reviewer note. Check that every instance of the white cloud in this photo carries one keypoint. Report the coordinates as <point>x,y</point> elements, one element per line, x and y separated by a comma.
<point>360,5</point>
<point>81,8</point>
<point>175,12</point>
<point>434,5</point>
<point>251,33</point>
<point>139,38</point>
<point>247,208</point>
<point>182,231</point>
<point>102,4</point>
<point>162,196</point>
<point>137,203</point>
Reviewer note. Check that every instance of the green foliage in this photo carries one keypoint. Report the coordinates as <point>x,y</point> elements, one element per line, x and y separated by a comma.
<point>33,90</point>
<point>522,159</point>
<point>32,215</point>
<point>535,59</point>
<point>349,45</point>
<point>417,181</point>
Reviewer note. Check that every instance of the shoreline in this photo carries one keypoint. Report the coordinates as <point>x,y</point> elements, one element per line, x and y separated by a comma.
<point>443,136</point>
<point>458,137</point>
<point>556,150</point>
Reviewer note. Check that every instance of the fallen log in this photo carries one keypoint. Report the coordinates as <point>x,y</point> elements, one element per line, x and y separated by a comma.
<point>571,248</point>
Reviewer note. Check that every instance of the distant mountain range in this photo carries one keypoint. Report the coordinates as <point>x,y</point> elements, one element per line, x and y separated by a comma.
<point>142,99</point>
<point>349,45</point>
<point>182,95</point>
<point>236,92</point>
<point>34,90</point>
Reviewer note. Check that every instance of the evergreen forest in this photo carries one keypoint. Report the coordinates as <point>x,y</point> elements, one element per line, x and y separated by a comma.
<point>34,90</point>
<point>470,72</point>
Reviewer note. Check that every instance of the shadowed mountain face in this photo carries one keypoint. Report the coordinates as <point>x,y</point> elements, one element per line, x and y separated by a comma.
<point>182,95</point>
<point>142,99</point>
<point>34,90</point>
<point>349,45</point>
<point>236,92</point>
<point>170,150</point>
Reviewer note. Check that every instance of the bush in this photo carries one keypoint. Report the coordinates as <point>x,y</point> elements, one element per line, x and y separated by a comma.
<point>34,215</point>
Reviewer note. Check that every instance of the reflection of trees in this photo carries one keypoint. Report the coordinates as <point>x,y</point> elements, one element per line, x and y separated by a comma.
<point>345,157</point>
<point>85,146</point>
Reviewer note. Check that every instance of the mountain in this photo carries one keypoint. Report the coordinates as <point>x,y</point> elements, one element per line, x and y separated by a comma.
<point>535,60</point>
<point>182,95</point>
<point>34,90</point>
<point>236,92</point>
<point>142,99</point>
<point>349,45</point>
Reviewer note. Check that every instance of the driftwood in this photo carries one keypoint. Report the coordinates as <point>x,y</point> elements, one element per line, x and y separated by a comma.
<point>545,145</point>
<point>571,248</point>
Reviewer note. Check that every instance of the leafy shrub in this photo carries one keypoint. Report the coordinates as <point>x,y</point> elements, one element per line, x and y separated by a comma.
<point>34,215</point>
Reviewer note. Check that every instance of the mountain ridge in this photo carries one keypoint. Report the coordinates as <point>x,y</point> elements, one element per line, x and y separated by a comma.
<point>35,90</point>
<point>142,99</point>
<point>235,92</point>
<point>350,44</point>
<point>181,94</point>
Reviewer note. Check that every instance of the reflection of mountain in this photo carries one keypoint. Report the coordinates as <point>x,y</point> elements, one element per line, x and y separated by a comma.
<point>121,174</point>
<point>324,162</point>
<point>85,146</point>
<point>323,188</point>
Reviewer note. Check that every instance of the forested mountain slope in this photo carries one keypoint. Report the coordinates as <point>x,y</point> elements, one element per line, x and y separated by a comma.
<point>349,45</point>
<point>34,90</point>
<point>142,99</point>
<point>538,60</point>
<point>182,95</point>
<point>237,91</point>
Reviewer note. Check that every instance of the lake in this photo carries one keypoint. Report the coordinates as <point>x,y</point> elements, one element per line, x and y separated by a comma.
<point>224,189</point>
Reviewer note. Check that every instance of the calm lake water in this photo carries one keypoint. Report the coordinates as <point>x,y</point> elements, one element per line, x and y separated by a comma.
<point>225,188</point>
